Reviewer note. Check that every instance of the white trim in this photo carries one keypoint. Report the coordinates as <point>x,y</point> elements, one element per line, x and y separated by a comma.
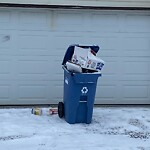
<point>94,3</point>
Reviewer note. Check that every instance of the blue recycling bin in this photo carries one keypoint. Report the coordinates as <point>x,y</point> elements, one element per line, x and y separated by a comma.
<point>79,91</point>
<point>79,96</point>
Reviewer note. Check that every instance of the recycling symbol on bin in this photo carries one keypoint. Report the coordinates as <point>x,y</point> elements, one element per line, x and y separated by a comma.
<point>84,90</point>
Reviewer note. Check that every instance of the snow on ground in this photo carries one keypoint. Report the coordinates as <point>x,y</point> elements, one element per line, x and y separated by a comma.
<point>112,128</point>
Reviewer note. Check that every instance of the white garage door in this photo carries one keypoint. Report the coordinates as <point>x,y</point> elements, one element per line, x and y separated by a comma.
<point>33,43</point>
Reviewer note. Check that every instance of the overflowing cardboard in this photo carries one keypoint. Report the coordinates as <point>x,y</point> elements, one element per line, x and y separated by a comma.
<point>86,59</point>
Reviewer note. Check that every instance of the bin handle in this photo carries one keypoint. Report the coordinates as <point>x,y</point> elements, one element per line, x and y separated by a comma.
<point>87,82</point>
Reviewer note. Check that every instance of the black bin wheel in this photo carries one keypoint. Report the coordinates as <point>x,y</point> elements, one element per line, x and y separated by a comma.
<point>61,109</point>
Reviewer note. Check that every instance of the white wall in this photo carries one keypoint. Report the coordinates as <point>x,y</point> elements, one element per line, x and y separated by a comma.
<point>98,3</point>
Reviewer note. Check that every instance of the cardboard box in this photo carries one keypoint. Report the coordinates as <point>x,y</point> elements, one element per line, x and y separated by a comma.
<point>86,59</point>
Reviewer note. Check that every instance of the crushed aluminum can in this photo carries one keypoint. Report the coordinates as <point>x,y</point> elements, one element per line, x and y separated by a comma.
<point>53,111</point>
<point>44,111</point>
<point>36,111</point>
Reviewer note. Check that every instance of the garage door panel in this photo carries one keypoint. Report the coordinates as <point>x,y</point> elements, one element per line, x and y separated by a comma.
<point>138,23</point>
<point>110,53</point>
<point>5,92</point>
<point>104,22</point>
<point>110,94</point>
<point>109,43</point>
<point>32,58</point>
<point>104,19</point>
<point>135,29</point>
<point>138,20</point>
<point>5,19</point>
<point>106,92</point>
<point>142,43</point>
<point>104,29</point>
<point>32,77</point>
<point>6,52</point>
<point>34,41</point>
<point>69,18</point>
<point>65,41</point>
<point>5,16</point>
<point>33,67</point>
<point>108,78</point>
<point>67,21</point>
<point>33,20</point>
<point>133,91</point>
<point>135,77</point>
<point>5,42</point>
<point>32,92</point>
<point>39,68</point>
<point>136,91</point>
<point>136,53</point>
<point>135,67</point>
<point>56,93</point>
<point>33,70</point>
<point>110,68</point>
<point>5,66</point>
<point>33,52</point>
<point>32,17</point>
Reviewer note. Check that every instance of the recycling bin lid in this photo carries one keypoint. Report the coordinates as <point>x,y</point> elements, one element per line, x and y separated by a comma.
<point>70,51</point>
